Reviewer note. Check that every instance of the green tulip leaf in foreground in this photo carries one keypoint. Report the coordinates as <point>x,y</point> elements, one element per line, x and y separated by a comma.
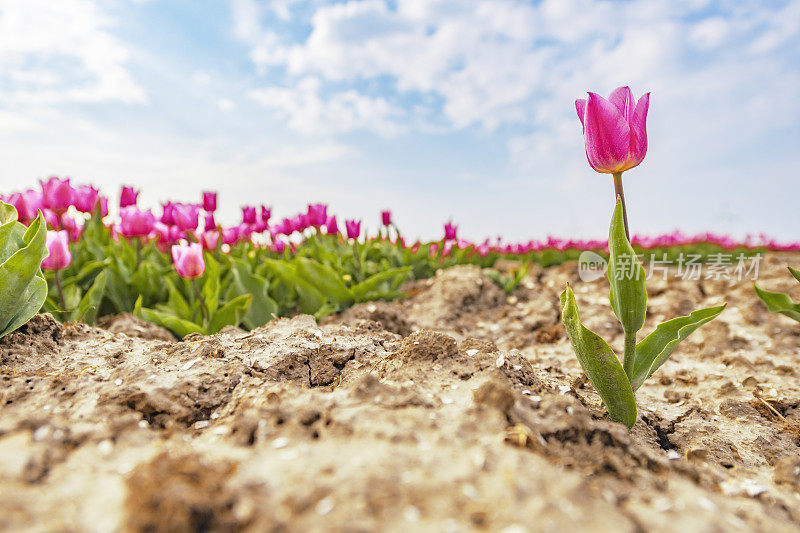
<point>778,302</point>
<point>600,363</point>
<point>656,348</point>
<point>23,288</point>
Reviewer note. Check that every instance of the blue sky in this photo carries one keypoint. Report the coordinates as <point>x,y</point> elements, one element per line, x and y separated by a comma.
<point>437,109</point>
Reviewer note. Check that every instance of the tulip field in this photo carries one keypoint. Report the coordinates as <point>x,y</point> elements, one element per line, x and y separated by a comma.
<point>162,369</point>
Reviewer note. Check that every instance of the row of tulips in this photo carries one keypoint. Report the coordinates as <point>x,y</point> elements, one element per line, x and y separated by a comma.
<point>247,273</point>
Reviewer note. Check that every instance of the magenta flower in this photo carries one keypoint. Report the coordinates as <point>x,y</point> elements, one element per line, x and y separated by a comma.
<point>230,236</point>
<point>614,130</point>
<point>52,219</point>
<point>128,196</point>
<point>209,201</point>
<point>188,259</point>
<point>167,213</point>
<point>72,227</point>
<point>353,228</point>
<point>278,246</point>
<point>317,215</point>
<point>27,205</point>
<point>386,217</point>
<point>249,214</point>
<point>103,207</point>
<point>135,223</point>
<point>331,227</point>
<point>59,256</point>
<point>208,222</point>
<point>450,231</point>
<point>266,214</point>
<point>85,198</point>
<point>187,216</point>
<point>56,194</point>
<point>209,239</point>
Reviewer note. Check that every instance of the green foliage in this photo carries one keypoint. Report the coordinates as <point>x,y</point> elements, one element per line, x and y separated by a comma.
<point>778,302</point>
<point>507,281</point>
<point>23,288</point>
<point>617,383</point>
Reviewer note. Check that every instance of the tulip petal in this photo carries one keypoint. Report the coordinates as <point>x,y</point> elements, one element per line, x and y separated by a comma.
<point>622,97</point>
<point>580,107</point>
<point>607,135</point>
<point>639,129</point>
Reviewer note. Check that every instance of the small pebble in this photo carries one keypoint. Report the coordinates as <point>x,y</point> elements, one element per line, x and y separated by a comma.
<point>190,364</point>
<point>280,442</point>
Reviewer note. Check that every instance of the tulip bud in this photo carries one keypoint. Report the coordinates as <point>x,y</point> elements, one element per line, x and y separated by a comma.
<point>59,256</point>
<point>167,214</point>
<point>85,198</point>
<point>614,130</point>
<point>450,231</point>
<point>209,201</point>
<point>331,228</point>
<point>56,194</point>
<point>103,207</point>
<point>208,222</point>
<point>210,239</point>
<point>386,217</point>
<point>353,228</point>
<point>230,236</point>
<point>266,214</point>
<point>317,215</point>
<point>187,216</point>
<point>188,259</point>
<point>128,196</point>
<point>278,246</point>
<point>248,215</point>
<point>135,223</point>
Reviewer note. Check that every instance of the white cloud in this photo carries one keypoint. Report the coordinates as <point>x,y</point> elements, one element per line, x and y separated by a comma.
<point>309,112</point>
<point>63,51</point>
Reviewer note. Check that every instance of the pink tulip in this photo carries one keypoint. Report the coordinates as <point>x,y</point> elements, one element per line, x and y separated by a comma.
<point>249,215</point>
<point>188,259</point>
<point>27,205</point>
<point>278,246</point>
<point>317,215</point>
<point>450,231</point>
<point>56,194</point>
<point>52,219</point>
<point>230,236</point>
<point>266,214</point>
<point>85,198</point>
<point>135,223</point>
<point>187,216</point>
<point>386,217</point>
<point>614,130</point>
<point>208,222</point>
<point>210,239</point>
<point>353,228</point>
<point>59,256</point>
<point>103,206</point>
<point>167,213</point>
<point>331,227</point>
<point>209,201</point>
<point>128,196</point>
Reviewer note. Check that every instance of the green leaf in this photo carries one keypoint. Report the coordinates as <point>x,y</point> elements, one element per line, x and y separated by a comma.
<point>177,303</point>
<point>90,303</point>
<point>176,325</point>
<point>18,272</point>
<point>309,298</point>
<point>262,308</point>
<point>795,273</point>
<point>626,276</point>
<point>325,280</point>
<point>30,303</point>
<point>230,314</point>
<point>779,303</point>
<point>600,364</point>
<point>211,286</point>
<point>374,282</point>
<point>656,348</point>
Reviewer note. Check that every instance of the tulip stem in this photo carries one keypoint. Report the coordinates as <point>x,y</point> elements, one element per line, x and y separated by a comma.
<point>357,257</point>
<point>202,302</point>
<point>629,354</point>
<point>621,195</point>
<point>60,291</point>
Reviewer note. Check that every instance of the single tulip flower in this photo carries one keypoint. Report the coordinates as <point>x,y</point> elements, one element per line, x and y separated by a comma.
<point>187,216</point>
<point>103,207</point>
<point>614,130</point>
<point>167,213</point>
<point>317,215</point>
<point>85,198</point>
<point>210,239</point>
<point>266,214</point>
<point>248,215</point>
<point>188,259</point>
<point>450,230</point>
<point>353,228</point>
<point>386,217</point>
<point>135,223</point>
<point>56,194</point>
<point>209,201</point>
<point>331,227</point>
<point>128,196</point>
<point>59,256</point>
<point>208,222</point>
<point>230,236</point>
<point>278,246</point>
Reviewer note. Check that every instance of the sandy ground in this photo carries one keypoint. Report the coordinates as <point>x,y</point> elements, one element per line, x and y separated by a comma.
<point>457,409</point>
